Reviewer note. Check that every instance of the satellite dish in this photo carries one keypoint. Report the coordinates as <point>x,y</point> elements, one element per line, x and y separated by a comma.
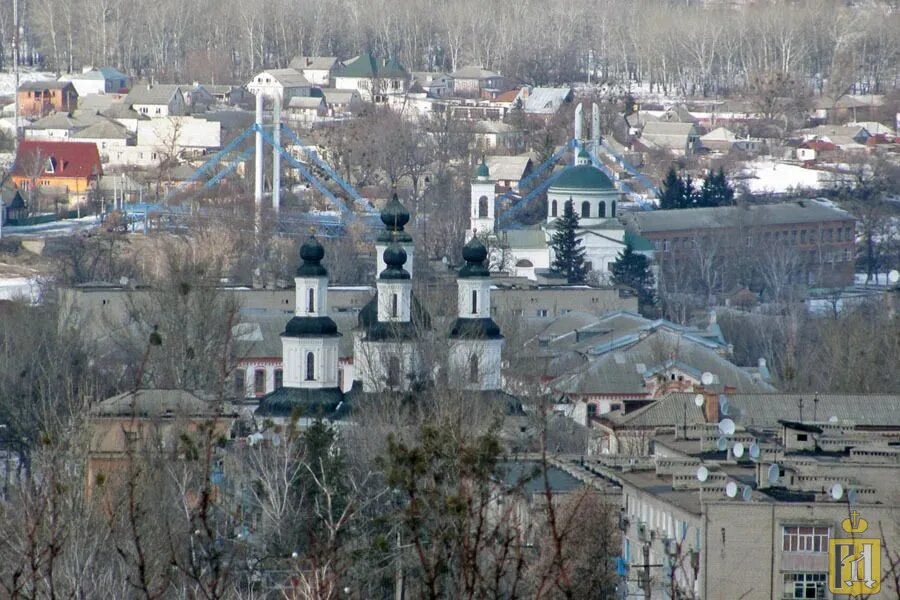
<point>894,276</point>
<point>738,450</point>
<point>702,474</point>
<point>852,496</point>
<point>773,474</point>
<point>731,489</point>
<point>722,444</point>
<point>707,378</point>
<point>723,404</point>
<point>746,493</point>
<point>832,419</point>
<point>726,426</point>
<point>837,491</point>
<point>754,450</point>
<point>698,400</point>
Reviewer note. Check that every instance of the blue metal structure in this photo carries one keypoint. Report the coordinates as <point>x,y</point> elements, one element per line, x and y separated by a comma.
<point>520,204</point>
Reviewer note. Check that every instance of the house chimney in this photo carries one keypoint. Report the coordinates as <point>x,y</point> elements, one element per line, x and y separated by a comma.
<point>710,406</point>
<point>308,60</point>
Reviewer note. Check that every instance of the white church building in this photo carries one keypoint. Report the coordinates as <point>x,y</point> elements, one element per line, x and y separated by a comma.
<point>526,251</point>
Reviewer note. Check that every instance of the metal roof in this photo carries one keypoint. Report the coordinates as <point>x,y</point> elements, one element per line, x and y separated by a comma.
<point>689,219</point>
<point>542,100</point>
<point>152,94</point>
<point>582,177</point>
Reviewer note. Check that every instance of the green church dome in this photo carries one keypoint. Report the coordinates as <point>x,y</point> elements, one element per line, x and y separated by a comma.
<point>583,177</point>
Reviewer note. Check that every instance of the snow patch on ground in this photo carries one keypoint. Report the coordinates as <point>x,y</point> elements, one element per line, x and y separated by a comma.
<point>19,288</point>
<point>54,228</point>
<point>8,80</point>
<point>772,177</point>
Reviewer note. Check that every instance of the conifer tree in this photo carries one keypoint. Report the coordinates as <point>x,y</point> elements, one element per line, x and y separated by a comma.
<point>671,191</point>
<point>633,269</point>
<point>567,250</point>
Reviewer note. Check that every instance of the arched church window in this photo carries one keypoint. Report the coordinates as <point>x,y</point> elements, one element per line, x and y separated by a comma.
<point>612,209</point>
<point>524,263</point>
<point>394,305</point>
<point>474,301</point>
<point>483,207</point>
<point>310,366</point>
<point>585,209</point>
<point>311,301</point>
<point>553,208</point>
<point>602,210</point>
<point>393,374</point>
<point>473,369</point>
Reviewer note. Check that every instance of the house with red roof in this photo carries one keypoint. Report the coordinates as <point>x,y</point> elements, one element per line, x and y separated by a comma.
<point>67,169</point>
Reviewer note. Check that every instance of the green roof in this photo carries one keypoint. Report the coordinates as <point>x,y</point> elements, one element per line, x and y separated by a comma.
<point>583,177</point>
<point>366,65</point>
<point>483,170</point>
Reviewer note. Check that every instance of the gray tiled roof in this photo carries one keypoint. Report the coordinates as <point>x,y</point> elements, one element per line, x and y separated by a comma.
<point>623,371</point>
<point>159,93</point>
<point>314,63</point>
<point>156,403</point>
<point>801,211</point>
<point>526,239</point>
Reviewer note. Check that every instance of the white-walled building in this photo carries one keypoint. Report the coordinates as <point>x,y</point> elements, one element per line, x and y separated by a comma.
<point>375,80</point>
<point>157,100</point>
<point>525,252</point>
<point>180,133</point>
<point>281,83</point>
<point>318,70</point>
<point>105,80</point>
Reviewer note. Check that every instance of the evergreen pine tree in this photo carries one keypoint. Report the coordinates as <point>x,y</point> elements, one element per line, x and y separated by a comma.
<point>568,253</point>
<point>689,197</point>
<point>633,269</point>
<point>671,191</point>
<point>722,192</point>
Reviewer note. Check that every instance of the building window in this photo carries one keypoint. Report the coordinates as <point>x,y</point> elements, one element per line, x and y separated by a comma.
<point>240,385</point>
<point>310,366</point>
<point>542,312</point>
<point>393,375</point>
<point>259,382</point>
<point>805,539</point>
<point>585,209</point>
<point>804,585</point>
<point>394,305</point>
<point>612,209</point>
<point>473,369</point>
<point>279,379</point>
<point>553,208</point>
<point>483,207</point>
<point>666,245</point>
<point>474,301</point>
<point>602,210</point>
<point>311,301</point>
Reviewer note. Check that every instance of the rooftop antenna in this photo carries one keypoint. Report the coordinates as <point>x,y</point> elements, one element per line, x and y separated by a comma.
<point>837,491</point>
<point>731,489</point>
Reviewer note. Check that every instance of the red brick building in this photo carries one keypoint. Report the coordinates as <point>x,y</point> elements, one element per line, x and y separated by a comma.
<point>813,242</point>
<point>39,98</point>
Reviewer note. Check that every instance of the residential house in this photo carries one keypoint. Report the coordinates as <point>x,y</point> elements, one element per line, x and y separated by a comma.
<point>105,80</point>
<point>376,80</point>
<point>497,135</point>
<point>281,83</point>
<point>306,110</point>
<point>198,98</point>
<point>318,70</point>
<point>477,82</point>
<point>178,135</point>
<point>819,235</point>
<point>106,134</point>
<point>341,102</point>
<point>543,102</point>
<point>39,98</point>
<point>509,171</point>
<point>157,100</point>
<point>124,115</point>
<point>227,95</point>
<point>12,205</point>
<point>57,126</point>
<point>434,85</point>
<point>679,138</point>
<point>720,139</point>
<point>149,421</point>
<point>67,169</point>
<point>828,110</point>
<point>845,137</point>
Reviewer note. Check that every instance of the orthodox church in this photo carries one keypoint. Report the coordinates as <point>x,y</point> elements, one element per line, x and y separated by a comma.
<point>526,251</point>
<point>388,348</point>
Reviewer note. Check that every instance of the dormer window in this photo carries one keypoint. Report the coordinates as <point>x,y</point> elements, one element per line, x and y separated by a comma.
<point>50,167</point>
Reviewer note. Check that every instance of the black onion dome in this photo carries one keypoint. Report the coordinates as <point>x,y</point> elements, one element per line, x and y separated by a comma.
<point>474,253</point>
<point>476,329</point>
<point>312,254</point>
<point>394,215</point>
<point>310,327</point>
<point>394,258</point>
